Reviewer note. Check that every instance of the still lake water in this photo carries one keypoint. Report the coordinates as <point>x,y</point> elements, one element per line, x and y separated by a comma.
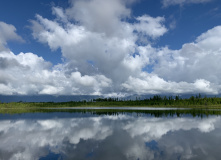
<point>115,136</point>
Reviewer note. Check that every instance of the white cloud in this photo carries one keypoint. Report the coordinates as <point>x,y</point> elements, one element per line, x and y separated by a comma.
<point>167,3</point>
<point>194,68</point>
<point>196,62</point>
<point>59,12</point>
<point>210,40</point>
<point>26,73</point>
<point>8,33</point>
<point>153,84</point>
<point>103,55</point>
<point>152,27</point>
<point>98,46</point>
<point>100,16</point>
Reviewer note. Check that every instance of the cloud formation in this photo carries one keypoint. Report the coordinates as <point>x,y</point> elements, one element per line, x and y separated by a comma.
<point>8,33</point>
<point>103,45</point>
<point>26,73</point>
<point>105,54</point>
<point>152,27</point>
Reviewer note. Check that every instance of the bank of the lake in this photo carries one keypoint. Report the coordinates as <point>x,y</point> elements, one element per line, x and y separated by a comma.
<point>155,111</point>
<point>194,102</point>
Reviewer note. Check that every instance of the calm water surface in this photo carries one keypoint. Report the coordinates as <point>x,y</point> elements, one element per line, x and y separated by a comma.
<point>78,135</point>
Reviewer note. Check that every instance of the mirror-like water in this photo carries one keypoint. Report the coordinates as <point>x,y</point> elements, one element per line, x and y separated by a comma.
<point>62,135</point>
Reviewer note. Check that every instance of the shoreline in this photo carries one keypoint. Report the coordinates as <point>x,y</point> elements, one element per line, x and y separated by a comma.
<point>152,110</point>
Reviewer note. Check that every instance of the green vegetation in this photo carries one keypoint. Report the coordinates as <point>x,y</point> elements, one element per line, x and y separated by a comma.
<point>196,102</point>
<point>155,113</point>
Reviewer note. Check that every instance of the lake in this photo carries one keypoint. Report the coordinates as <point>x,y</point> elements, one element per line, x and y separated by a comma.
<point>116,135</point>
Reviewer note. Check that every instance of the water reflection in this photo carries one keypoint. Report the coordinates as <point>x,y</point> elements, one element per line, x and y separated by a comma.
<point>123,136</point>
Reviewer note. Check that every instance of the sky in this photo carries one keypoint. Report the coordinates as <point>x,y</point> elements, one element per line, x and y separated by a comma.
<point>110,47</point>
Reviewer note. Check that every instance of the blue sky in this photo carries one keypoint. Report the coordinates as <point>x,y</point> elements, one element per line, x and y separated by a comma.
<point>112,48</point>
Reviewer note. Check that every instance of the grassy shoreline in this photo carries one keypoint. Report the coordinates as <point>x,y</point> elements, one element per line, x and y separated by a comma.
<point>31,107</point>
<point>196,102</point>
<point>155,101</point>
<point>156,113</point>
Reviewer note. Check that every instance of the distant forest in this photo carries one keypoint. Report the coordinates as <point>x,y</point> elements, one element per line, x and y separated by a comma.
<point>155,101</point>
<point>158,100</point>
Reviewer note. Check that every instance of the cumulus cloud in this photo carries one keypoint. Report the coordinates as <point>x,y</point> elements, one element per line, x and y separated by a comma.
<point>103,55</point>
<point>152,27</point>
<point>194,68</point>
<point>167,3</point>
<point>8,33</point>
<point>93,45</point>
<point>26,73</point>
<point>195,62</point>
<point>107,42</point>
<point>100,16</point>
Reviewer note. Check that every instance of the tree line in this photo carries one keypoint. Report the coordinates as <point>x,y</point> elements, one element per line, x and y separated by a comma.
<point>154,101</point>
<point>158,100</point>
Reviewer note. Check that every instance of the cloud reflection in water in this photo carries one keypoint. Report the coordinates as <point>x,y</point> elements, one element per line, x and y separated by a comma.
<point>123,136</point>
